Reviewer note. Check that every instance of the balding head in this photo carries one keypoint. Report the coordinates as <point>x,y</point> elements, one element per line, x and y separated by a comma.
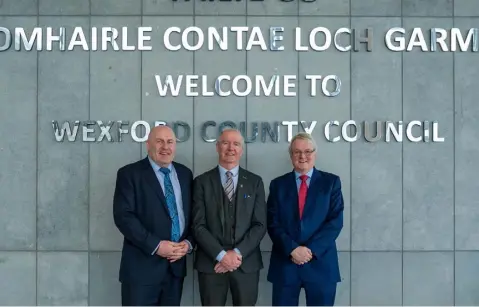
<point>161,145</point>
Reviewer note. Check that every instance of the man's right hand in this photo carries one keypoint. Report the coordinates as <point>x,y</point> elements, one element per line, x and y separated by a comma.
<point>301,255</point>
<point>167,248</point>
<point>231,261</point>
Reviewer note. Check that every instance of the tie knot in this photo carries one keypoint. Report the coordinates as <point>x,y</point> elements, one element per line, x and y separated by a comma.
<point>165,170</point>
<point>229,174</point>
<point>303,178</point>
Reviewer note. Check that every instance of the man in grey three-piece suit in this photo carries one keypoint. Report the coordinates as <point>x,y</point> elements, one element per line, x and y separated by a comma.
<point>229,222</point>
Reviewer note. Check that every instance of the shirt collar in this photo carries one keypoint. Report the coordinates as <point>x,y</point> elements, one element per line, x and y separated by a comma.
<point>309,174</point>
<point>234,170</point>
<point>156,167</point>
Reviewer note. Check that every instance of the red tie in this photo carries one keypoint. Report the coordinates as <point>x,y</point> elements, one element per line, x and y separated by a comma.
<point>303,190</point>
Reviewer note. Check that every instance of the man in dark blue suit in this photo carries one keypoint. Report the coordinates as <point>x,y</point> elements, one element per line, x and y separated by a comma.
<point>152,209</point>
<point>305,216</point>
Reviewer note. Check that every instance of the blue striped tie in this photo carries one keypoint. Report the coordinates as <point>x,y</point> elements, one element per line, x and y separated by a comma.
<point>229,187</point>
<point>171,203</point>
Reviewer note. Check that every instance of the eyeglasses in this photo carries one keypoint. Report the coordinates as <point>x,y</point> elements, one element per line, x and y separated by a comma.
<point>307,153</point>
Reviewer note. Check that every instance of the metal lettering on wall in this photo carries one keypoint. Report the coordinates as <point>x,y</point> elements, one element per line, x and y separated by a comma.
<point>344,39</point>
<point>249,0</point>
<point>276,131</point>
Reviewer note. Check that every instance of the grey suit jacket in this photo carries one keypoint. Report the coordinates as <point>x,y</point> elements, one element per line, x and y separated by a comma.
<point>208,219</point>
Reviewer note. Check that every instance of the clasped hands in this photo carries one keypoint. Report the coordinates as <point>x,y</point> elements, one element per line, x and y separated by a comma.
<point>301,255</point>
<point>230,262</point>
<point>172,251</point>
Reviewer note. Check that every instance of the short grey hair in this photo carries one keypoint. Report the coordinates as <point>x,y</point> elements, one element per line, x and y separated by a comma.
<point>302,136</point>
<point>228,128</point>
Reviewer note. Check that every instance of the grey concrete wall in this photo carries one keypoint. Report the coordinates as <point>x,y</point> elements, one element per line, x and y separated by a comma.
<point>410,235</point>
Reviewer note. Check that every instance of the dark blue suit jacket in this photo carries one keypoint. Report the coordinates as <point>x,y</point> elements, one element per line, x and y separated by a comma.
<point>318,229</point>
<point>141,214</point>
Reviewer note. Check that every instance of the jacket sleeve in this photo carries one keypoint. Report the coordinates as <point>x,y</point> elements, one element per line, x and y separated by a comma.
<point>327,234</point>
<point>189,235</point>
<point>256,232</point>
<point>124,215</point>
<point>201,233</point>
<point>275,230</point>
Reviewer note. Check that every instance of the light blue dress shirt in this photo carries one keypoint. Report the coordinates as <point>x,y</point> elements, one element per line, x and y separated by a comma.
<point>298,180</point>
<point>176,188</point>
<point>223,177</point>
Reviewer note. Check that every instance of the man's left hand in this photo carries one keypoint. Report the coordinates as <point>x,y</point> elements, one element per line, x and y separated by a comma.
<point>301,255</point>
<point>220,268</point>
<point>180,252</point>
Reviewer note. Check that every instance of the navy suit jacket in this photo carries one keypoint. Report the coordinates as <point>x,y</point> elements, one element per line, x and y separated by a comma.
<point>141,214</point>
<point>318,229</point>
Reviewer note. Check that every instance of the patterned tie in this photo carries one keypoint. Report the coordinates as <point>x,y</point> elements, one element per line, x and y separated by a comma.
<point>229,187</point>
<point>303,190</point>
<point>171,203</point>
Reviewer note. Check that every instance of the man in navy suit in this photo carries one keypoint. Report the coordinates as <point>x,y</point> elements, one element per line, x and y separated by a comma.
<point>305,216</point>
<point>152,209</point>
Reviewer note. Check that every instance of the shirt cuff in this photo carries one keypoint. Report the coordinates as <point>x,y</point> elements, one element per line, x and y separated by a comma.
<point>237,251</point>
<point>220,256</point>
<point>154,252</point>
<point>190,248</point>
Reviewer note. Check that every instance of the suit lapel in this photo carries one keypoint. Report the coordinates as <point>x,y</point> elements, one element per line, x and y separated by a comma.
<point>152,180</point>
<point>241,186</point>
<point>312,194</point>
<point>293,196</point>
<point>218,194</point>
<point>242,191</point>
<point>184,197</point>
